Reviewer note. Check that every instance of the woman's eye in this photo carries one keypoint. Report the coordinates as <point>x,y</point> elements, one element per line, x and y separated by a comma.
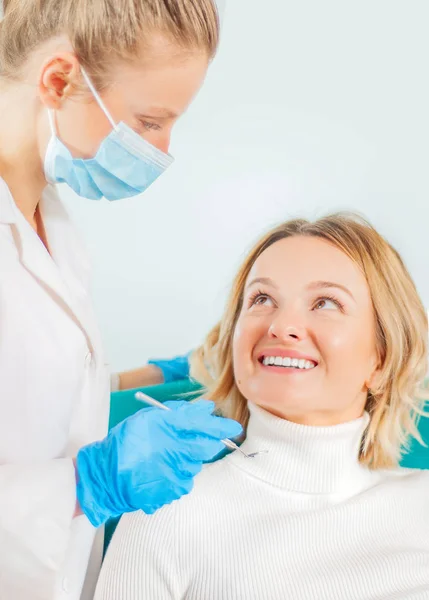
<point>260,300</point>
<point>327,304</point>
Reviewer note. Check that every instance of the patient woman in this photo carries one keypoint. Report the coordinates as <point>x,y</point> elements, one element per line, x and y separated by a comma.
<point>319,354</point>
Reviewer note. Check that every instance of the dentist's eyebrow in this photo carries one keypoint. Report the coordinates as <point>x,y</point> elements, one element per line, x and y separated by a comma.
<point>156,112</point>
<point>263,280</point>
<point>319,285</point>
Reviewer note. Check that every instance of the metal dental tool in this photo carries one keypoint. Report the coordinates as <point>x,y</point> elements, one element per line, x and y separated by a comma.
<point>152,402</point>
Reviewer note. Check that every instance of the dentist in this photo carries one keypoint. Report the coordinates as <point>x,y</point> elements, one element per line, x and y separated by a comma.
<point>89,93</point>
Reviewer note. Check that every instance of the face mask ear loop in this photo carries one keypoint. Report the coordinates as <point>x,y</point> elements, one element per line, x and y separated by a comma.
<point>97,97</point>
<point>51,118</point>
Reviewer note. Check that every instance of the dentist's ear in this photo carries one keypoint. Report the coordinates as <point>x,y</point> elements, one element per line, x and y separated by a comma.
<point>59,76</point>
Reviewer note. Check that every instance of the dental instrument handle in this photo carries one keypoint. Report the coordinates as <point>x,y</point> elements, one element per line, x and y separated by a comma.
<point>149,400</point>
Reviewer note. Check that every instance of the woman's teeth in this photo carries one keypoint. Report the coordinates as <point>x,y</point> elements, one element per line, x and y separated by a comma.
<point>296,363</point>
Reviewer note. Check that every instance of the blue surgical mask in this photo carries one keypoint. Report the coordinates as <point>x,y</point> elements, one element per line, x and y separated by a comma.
<point>125,164</point>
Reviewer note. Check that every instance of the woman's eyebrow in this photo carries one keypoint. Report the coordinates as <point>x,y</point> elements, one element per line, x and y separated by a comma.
<point>264,280</point>
<point>317,285</point>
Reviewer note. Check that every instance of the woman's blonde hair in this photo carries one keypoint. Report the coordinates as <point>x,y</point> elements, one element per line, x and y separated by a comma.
<point>103,31</point>
<point>396,403</point>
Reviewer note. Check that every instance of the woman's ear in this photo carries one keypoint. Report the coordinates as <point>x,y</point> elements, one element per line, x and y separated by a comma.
<point>373,379</point>
<point>59,75</point>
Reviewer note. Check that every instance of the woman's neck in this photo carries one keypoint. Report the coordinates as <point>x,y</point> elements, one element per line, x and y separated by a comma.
<point>305,459</point>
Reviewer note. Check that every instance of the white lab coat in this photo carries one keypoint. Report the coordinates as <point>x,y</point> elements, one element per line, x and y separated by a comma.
<point>54,398</point>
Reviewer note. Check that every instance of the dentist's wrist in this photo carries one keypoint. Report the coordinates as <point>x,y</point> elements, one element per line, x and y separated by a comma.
<point>142,377</point>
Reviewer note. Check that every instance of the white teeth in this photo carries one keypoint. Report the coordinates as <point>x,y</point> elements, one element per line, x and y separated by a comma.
<point>286,361</point>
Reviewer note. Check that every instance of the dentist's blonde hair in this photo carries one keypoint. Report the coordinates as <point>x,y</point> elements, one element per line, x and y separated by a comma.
<point>103,31</point>
<point>401,323</point>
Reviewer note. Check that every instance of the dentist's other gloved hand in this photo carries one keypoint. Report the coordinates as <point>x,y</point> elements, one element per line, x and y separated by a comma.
<point>150,459</point>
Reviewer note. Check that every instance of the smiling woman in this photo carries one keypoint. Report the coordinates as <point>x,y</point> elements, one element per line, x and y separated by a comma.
<point>319,354</point>
<point>334,293</point>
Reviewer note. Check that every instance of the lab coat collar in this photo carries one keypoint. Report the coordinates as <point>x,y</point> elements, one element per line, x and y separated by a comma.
<point>65,272</point>
<point>7,205</point>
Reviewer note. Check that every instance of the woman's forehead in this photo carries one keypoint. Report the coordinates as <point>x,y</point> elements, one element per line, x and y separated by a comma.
<point>300,260</point>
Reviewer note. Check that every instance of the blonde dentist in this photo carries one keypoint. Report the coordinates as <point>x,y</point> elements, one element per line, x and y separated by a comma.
<point>89,93</point>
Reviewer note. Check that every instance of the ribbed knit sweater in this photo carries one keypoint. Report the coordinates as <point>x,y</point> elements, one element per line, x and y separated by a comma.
<point>303,522</point>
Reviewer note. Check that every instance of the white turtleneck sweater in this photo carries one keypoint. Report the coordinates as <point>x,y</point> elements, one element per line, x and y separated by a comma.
<point>304,522</point>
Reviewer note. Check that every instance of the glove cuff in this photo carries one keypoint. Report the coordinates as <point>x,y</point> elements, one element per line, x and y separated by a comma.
<point>90,489</point>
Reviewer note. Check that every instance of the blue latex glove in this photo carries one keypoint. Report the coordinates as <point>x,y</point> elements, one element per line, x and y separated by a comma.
<point>173,369</point>
<point>150,459</point>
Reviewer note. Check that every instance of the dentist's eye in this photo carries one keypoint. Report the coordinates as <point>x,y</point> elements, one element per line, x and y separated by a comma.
<point>149,125</point>
<point>328,303</point>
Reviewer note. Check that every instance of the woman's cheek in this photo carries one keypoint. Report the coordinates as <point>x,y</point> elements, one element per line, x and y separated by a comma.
<point>239,344</point>
<point>338,339</point>
<point>244,341</point>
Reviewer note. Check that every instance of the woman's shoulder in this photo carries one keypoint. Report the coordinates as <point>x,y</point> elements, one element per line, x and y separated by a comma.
<point>409,474</point>
<point>412,480</point>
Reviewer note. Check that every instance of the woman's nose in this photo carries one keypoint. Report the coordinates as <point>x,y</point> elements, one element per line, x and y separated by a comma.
<point>289,326</point>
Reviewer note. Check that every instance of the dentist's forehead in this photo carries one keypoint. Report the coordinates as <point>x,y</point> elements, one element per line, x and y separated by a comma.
<point>169,86</point>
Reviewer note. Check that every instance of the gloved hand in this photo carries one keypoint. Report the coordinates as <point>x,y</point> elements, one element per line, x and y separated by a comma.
<point>173,369</point>
<point>150,459</point>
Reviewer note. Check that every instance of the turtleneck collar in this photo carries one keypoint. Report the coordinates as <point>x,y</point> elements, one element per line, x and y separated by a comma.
<point>306,459</point>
